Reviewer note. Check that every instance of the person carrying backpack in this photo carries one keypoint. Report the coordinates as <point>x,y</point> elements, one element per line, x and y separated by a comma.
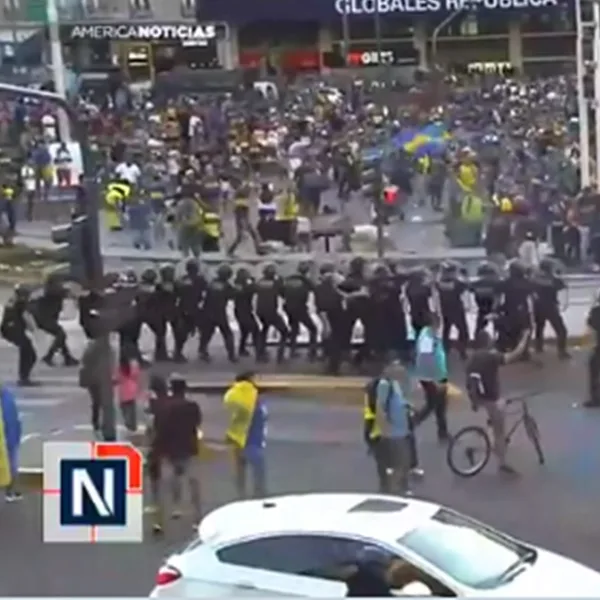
<point>387,430</point>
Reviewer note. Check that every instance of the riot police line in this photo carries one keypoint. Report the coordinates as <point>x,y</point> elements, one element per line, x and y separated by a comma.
<point>392,305</point>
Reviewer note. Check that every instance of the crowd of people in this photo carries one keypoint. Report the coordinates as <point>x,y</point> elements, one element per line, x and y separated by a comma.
<point>173,173</point>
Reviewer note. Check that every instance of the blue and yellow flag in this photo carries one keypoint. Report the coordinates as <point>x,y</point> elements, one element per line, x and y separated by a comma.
<point>10,436</point>
<point>245,415</point>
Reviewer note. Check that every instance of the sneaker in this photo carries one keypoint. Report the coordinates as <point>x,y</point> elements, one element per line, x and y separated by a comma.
<point>417,473</point>
<point>176,514</point>
<point>157,529</point>
<point>13,497</point>
<point>507,470</point>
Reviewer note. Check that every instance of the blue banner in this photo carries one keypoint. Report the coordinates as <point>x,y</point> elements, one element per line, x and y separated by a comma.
<point>244,11</point>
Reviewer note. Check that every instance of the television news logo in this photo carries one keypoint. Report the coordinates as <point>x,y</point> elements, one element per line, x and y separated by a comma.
<point>367,58</point>
<point>92,492</point>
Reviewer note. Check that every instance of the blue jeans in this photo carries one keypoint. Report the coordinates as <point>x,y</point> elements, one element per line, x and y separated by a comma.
<point>253,460</point>
<point>142,239</point>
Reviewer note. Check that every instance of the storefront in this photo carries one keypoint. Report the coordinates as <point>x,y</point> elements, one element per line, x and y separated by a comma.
<point>310,34</point>
<point>144,51</point>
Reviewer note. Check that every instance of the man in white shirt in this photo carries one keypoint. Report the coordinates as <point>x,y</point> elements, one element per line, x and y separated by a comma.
<point>128,171</point>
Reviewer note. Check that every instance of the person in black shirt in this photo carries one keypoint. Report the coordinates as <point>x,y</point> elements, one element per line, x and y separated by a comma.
<point>16,327</point>
<point>483,386</point>
<point>175,444</point>
<point>593,323</point>
<point>516,309</point>
<point>546,286</point>
<point>450,287</point>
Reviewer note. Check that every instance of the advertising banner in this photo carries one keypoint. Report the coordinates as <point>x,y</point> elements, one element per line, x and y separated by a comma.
<point>240,11</point>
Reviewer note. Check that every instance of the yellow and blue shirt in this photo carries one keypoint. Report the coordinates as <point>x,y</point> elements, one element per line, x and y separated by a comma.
<point>247,428</point>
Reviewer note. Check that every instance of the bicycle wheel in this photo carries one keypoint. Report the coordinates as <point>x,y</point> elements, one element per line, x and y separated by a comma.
<point>533,433</point>
<point>469,451</point>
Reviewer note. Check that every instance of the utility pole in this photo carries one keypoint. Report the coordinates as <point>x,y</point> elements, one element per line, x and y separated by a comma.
<point>582,105</point>
<point>82,235</point>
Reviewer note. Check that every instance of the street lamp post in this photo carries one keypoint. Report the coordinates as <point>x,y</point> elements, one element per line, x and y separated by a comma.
<point>436,32</point>
<point>582,107</point>
<point>596,21</point>
<point>58,66</point>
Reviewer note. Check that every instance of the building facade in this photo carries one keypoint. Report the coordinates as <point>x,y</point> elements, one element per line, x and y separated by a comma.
<point>145,37</point>
<point>141,37</point>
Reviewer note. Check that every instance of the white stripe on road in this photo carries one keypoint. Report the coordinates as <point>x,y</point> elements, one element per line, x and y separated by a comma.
<point>39,402</point>
<point>30,436</point>
<point>90,428</point>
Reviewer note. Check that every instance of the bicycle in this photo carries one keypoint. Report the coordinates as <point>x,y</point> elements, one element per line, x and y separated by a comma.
<point>478,456</point>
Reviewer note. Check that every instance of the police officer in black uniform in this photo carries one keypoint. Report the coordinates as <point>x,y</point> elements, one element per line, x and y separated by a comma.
<point>149,304</point>
<point>418,293</point>
<point>244,290</point>
<point>131,329</point>
<point>516,308</point>
<point>190,290</point>
<point>381,292</point>
<point>358,307</point>
<point>331,307</point>
<point>393,308</point>
<point>89,303</point>
<point>296,292</point>
<point>46,309</point>
<point>451,285</point>
<point>546,286</point>
<point>486,288</point>
<point>268,291</point>
<point>165,301</point>
<point>16,327</point>
<point>219,292</point>
<point>593,322</point>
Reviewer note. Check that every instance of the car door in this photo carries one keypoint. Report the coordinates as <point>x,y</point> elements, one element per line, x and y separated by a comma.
<point>283,563</point>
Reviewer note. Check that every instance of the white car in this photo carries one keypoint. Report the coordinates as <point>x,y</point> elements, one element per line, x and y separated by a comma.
<point>309,544</point>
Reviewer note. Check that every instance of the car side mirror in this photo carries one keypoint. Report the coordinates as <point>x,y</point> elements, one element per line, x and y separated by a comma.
<point>414,589</point>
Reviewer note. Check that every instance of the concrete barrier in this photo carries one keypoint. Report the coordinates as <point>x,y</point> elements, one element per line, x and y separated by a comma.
<point>345,390</point>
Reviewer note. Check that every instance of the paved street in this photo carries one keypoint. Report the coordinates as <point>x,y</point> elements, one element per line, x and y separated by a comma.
<point>318,447</point>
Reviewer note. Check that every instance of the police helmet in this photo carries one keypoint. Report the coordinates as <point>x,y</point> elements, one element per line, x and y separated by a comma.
<point>192,267</point>
<point>326,268</point>
<point>357,264</point>
<point>419,273</point>
<point>449,268</point>
<point>269,270</point>
<point>242,274</point>
<point>149,276</point>
<point>224,271</point>
<point>487,269</point>
<point>304,267</point>
<point>128,276</point>
<point>517,268</point>
<point>167,272</point>
<point>22,291</point>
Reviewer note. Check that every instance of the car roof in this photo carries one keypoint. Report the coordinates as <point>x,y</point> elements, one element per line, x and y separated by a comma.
<point>385,518</point>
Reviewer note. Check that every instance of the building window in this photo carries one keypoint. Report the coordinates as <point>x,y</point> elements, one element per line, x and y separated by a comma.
<point>11,8</point>
<point>140,6</point>
<point>558,20</point>
<point>469,26</point>
<point>188,8</point>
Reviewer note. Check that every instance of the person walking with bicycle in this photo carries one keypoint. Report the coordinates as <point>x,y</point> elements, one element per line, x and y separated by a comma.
<point>483,387</point>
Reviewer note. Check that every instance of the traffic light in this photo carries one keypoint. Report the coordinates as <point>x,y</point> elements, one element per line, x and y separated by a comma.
<point>74,249</point>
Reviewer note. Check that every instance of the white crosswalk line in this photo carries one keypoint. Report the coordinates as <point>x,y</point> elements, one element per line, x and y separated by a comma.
<point>39,402</point>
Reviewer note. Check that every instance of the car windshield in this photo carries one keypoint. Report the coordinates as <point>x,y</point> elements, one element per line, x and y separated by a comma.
<point>466,550</point>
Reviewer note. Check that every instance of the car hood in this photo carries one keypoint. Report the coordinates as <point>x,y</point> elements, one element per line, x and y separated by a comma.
<point>553,575</point>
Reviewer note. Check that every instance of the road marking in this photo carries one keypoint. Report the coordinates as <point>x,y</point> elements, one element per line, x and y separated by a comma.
<point>90,428</point>
<point>39,402</point>
<point>30,436</point>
